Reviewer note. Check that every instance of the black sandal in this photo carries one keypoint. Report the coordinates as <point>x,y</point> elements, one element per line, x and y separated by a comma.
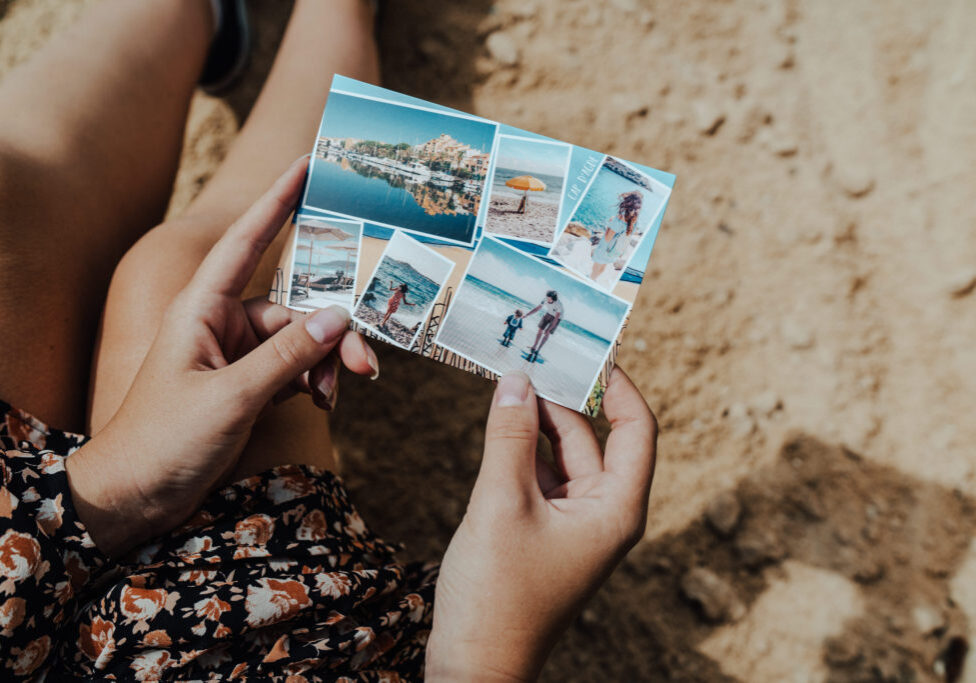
<point>229,50</point>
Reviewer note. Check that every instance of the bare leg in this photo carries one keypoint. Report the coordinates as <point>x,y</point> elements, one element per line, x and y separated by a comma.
<point>322,38</point>
<point>597,270</point>
<point>90,136</point>
<point>538,336</point>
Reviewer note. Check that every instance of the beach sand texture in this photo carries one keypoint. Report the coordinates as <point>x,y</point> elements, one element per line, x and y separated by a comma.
<point>538,223</point>
<point>395,330</point>
<point>813,276</point>
<point>474,326</point>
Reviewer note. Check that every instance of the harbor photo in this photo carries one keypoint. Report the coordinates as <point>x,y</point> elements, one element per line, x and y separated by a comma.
<point>401,166</point>
<point>324,262</point>
<point>610,222</point>
<point>527,188</point>
<point>515,312</point>
<point>402,290</point>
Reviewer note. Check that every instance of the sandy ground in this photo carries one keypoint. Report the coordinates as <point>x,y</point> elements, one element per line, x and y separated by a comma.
<point>537,223</point>
<point>805,333</point>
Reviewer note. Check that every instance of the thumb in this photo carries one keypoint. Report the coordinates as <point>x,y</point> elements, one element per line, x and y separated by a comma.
<point>511,436</point>
<point>293,350</point>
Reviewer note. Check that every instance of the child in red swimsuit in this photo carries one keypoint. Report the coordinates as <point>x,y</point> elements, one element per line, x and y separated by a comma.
<point>393,303</point>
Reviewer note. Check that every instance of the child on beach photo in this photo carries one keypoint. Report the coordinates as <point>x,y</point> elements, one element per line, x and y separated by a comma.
<point>402,290</point>
<point>500,278</point>
<point>610,222</point>
<point>513,324</point>
<point>393,303</point>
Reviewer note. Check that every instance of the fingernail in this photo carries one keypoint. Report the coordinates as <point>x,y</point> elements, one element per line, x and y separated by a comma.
<point>371,359</point>
<point>327,324</point>
<point>513,389</point>
<point>328,386</point>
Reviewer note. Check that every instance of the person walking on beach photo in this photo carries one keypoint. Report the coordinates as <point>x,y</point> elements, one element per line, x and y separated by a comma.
<point>393,303</point>
<point>610,247</point>
<point>513,324</point>
<point>552,314</point>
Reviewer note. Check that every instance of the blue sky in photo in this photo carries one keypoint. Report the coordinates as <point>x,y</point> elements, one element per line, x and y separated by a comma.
<point>531,156</point>
<point>365,119</point>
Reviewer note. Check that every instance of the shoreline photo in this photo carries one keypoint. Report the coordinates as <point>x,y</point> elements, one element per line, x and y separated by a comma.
<point>402,290</point>
<point>611,220</point>
<point>527,188</point>
<point>515,312</point>
<point>324,262</point>
<point>401,166</point>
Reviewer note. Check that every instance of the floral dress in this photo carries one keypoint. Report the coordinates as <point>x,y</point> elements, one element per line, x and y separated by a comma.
<point>275,578</point>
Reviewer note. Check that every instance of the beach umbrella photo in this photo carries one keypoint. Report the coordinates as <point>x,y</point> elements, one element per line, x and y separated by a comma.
<point>317,230</point>
<point>526,183</point>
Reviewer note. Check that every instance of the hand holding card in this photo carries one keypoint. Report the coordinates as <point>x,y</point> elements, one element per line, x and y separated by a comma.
<point>536,542</point>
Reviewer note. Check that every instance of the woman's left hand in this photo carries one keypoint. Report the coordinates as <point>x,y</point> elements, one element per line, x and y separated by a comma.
<point>215,365</point>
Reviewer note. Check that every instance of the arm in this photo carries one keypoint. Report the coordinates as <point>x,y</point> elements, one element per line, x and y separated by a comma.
<point>215,365</point>
<point>532,311</point>
<point>535,543</point>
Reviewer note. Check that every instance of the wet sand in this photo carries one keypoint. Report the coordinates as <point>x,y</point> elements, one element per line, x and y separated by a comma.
<point>537,223</point>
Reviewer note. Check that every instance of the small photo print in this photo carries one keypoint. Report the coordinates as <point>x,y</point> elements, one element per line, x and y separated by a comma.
<point>609,223</point>
<point>515,312</point>
<point>402,290</point>
<point>527,188</point>
<point>324,262</point>
<point>401,166</point>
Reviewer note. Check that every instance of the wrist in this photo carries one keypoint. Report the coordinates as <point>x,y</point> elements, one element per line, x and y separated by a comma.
<point>111,510</point>
<point>505,660</point>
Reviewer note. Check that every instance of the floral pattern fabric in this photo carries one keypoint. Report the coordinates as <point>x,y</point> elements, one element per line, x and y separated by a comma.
<point>276,577</point>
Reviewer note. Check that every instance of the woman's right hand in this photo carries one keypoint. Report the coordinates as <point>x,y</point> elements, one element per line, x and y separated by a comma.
<point>535,544</point>
<point>216,364</point>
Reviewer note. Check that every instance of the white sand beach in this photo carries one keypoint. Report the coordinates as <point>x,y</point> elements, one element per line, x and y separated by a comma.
<point>318,299</point>
<point>538,223</point>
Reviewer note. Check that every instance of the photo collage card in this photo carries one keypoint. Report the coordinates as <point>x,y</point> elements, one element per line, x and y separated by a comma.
<point>470,242</point>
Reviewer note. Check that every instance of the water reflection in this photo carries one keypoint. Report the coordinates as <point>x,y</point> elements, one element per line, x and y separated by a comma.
<point>434,196</point>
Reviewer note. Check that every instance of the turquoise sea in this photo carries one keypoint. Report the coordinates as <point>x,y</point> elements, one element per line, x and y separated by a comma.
<point>602,200</point>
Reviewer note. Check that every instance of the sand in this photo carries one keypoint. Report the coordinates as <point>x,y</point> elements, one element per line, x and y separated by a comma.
<point>323,299</point>
<point>804,283</point>
<point>538,223</point>
<point>393,329</point>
